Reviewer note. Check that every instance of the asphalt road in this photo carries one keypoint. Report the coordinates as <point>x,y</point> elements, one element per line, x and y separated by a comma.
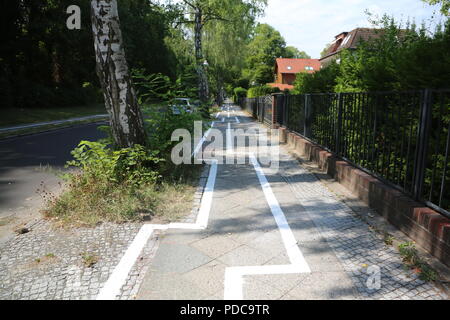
<point>28,161</point>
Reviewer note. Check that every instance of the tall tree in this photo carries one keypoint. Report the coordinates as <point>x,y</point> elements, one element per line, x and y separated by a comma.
<point>112,70</point>
<point>267,45</point>
<point>225,43</point>
<point>202,12</point>
<point>445,5</point>
<point>294,53</point>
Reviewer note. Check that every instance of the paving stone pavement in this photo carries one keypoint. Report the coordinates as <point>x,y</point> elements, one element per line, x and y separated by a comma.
<point>47,263</point>
<point>360,250</point>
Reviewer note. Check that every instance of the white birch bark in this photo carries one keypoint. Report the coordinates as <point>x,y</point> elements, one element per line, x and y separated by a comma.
<point>203,86</point>
<point>114,75</point>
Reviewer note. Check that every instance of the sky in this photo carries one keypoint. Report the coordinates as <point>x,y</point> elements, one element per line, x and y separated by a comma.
<point>310,24</point>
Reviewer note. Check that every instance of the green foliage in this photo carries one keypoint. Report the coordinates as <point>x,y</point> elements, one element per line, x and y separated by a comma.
<point>100,162</point>
<point>261,91</point>
<point>159,87</point>
<point>397,59</point>
<point>161,125</point>
<point>412,260</point>
<point>267,45</point>
<point>400,59</point>
<point>239,93</point>
<point>121,184</point>
<point>323,80</point>
<point>294,53</point>
<point>42,64</point>
<point>445,9</point>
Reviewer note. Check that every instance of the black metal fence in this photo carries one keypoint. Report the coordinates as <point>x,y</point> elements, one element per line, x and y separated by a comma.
<point>260,108</point>
<point>402,138</point>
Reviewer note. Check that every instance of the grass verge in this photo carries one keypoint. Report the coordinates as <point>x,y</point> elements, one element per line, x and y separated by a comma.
<point>27,131</point>
<point>90,204</point>
<point>13,117</point>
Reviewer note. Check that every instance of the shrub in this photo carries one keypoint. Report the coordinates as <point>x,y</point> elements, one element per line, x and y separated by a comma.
<point>100,162</point>
<point>119,184</point>
<point>323,80</point>
<point>239,92</point>
<point>261,91</point>
<point>160,126</point>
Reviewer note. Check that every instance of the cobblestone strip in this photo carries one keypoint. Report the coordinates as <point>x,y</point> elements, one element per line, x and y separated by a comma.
<point>361,251</point>
<point>51,264</point>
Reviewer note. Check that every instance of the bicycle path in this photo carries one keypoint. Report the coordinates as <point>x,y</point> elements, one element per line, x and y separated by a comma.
<point>275,234</point>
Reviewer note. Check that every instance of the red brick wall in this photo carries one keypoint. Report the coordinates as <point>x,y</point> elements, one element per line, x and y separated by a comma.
<point>288,78</point>
<point>425,226</point>
<point>285,78</point>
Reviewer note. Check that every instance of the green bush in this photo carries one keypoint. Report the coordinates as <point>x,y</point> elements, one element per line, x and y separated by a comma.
<point>261,91</point>
<point>400,58</point>
<point>320,81</point>
<point>161,125</point>
<point>99,162</point>
<point>239,92</point>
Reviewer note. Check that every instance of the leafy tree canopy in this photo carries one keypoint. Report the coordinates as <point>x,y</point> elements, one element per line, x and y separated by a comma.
<point>445,9</point>
<point>294,53</point>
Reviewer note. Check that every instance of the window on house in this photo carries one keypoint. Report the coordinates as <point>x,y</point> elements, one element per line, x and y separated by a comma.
<point>309,68</point>
<point>346,39</point>
<point>289,68</point>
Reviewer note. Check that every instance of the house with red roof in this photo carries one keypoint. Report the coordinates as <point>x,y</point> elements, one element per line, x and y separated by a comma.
<point>348,40</point>
<point>286,70</point>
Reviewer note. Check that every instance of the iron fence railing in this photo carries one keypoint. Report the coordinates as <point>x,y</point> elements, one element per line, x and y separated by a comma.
<point>403,138</point>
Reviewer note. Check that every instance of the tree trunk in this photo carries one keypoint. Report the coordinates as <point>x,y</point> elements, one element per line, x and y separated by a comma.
<point>219,97</point>
<point>203,89</point>
<point>112,69</point>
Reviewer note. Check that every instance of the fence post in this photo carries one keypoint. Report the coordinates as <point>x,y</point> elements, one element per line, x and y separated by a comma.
<point>286,112</point>
<point>338,130</point>
<point>422,143</point>
<point>274,110</point>
<point>263,111</point>
<point>307,122</point>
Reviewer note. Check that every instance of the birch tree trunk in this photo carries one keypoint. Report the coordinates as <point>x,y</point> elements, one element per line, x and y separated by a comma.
<point>112,69</point>
<point>203,89</point>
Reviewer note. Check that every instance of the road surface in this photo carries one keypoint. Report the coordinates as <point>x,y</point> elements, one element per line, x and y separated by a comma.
<point>28,161</point>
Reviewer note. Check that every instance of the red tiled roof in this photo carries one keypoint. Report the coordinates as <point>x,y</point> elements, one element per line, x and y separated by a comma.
<point>281,86</point>
<point>297,65</point>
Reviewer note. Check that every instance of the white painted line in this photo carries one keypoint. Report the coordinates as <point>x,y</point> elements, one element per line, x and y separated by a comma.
<point>229,139</point>
<point>234,280</point>
<point>218,114</point>
<point>290,243</point>
<point>228,114</point>
<point>202,140</point>
<point>237,120</point>
<point>120,274</point>
<point>205,207</point>
<point>223,119</point>
<point>118,277</point>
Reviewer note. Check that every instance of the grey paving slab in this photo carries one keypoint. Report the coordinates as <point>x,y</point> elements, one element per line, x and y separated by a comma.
<point>325,286</point>
<point>169,286</point>
<point>244,256</point>
<point>179,258</point>
<point>208,277</point>
<point>216,245</point>
<point>255,289</point>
